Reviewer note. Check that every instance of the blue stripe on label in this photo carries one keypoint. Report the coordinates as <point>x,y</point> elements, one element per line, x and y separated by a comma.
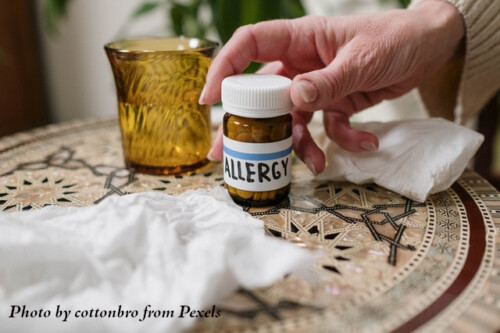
<point>257,157</point>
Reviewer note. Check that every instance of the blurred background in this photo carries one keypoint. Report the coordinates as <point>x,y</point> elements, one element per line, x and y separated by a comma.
<point>53,66</point>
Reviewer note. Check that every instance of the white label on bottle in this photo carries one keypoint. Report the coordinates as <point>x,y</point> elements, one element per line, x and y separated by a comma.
<point>257,167</point>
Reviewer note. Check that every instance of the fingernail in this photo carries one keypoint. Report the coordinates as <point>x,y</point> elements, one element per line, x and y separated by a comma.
<point>368,146</point>
<point>310,165</point>
<point>202,96</point>
<point>307,91</point>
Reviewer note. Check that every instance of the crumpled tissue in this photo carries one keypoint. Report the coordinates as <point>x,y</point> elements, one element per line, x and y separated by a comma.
<point>134,251</point>
<point>415,158</point>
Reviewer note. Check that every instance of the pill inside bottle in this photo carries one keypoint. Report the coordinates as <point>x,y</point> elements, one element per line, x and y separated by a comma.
<point>257,138</point>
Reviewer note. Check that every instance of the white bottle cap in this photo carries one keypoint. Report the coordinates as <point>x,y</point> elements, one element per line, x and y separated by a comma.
<point>256,95</point>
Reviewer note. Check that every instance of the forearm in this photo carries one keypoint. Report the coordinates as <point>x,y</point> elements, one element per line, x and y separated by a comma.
<point>479,72</point>
<point>446,21</point>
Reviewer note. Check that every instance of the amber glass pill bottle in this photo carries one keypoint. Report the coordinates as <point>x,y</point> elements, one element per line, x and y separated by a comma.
<point>257,138</point>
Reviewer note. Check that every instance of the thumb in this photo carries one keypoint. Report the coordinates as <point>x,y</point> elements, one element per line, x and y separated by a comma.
<point>320,89</point>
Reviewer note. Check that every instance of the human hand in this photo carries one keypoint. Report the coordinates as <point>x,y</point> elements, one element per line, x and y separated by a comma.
<point>341,65</point>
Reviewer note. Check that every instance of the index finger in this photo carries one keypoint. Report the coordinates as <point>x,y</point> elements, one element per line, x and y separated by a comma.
<point>263,42</point>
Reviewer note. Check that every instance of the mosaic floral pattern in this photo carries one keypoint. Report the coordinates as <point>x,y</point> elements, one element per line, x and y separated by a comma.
<point>387,261</point>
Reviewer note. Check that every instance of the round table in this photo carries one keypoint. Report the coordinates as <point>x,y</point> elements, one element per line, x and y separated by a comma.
<point>389,264</point>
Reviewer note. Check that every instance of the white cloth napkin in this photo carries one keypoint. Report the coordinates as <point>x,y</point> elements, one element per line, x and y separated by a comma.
<point>415,157</point>
<point>135,250</point>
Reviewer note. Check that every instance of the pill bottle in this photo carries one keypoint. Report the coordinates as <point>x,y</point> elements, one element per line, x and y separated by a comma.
<point>257,138</point>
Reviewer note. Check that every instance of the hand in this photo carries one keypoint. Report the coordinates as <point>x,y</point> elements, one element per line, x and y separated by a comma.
<point>341,65</point>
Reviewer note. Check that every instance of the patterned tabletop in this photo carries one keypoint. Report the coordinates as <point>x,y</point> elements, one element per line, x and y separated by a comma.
<point>390,264</point>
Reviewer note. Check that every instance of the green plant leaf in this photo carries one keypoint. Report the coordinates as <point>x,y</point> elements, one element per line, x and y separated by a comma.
<point>399,3</point>
<point>226,15</point>
<point>54,10</point>
<point>229,15</point>
<point>404,3</point>
<point>145,8</point>
<point>292,8</point>
<point>194,7</point>
<point>178,17</point>
<point>253,67</point>
<point>184,19</point>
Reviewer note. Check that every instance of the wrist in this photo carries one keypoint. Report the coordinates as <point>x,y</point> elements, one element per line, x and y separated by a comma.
<point>444,21</point>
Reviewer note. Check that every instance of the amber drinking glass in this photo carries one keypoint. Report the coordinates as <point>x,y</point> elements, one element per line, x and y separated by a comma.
<point>158,83</point>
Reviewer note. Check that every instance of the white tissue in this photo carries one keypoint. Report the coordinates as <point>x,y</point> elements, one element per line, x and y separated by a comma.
<point>415,157</point>
<point>135,250</point>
